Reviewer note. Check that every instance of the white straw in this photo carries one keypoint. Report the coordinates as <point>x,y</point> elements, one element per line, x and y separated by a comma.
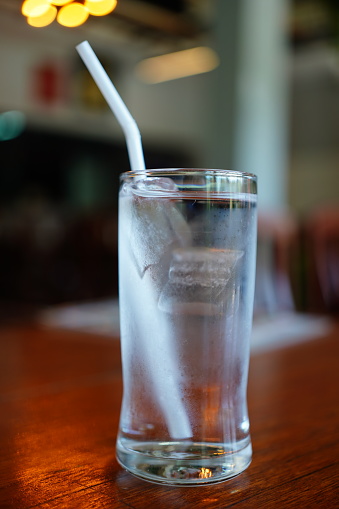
<point>108,90</point>
<point>166,387</point>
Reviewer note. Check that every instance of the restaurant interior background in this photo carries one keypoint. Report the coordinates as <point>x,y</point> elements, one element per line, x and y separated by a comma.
<point>269,105</point>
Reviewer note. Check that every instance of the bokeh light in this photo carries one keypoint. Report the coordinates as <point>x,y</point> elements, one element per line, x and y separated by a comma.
<point>179,64</point>
<point>69,13</point>
<point>59,2</point>
<point>100,7</point>
<point>72,15</point>
<point>44,19</point>
<point>35,7</point>
<point>12,124</point>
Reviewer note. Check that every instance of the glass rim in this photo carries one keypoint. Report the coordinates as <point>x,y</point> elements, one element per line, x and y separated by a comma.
<point>189,171</point>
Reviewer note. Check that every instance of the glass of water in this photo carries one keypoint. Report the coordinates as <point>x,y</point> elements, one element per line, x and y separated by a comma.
<point>187,245</point>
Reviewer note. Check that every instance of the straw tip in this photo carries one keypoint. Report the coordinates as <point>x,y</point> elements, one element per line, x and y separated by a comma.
<point>82,44</point>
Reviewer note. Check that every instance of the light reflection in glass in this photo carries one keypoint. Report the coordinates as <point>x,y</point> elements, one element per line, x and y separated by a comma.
<point>205,473</point>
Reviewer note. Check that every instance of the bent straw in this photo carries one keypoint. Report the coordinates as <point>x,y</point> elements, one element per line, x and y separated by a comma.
<point>108,90</point>
<point>166,388</point>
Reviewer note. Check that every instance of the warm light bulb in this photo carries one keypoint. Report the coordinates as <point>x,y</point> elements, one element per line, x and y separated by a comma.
<point>45,19</point>
<point>35,7</point>
<point>176,65</point>
<point>72,15</point>
<point>100,7</point>
<point>59,2</point>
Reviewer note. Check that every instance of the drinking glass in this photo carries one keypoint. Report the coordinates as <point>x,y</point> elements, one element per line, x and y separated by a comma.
<point>187,245</point>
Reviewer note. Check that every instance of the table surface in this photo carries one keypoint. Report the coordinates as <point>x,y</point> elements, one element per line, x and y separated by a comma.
<point>60,395</point>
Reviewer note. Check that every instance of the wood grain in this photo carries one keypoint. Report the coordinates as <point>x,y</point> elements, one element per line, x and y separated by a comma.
<point>60,396</point>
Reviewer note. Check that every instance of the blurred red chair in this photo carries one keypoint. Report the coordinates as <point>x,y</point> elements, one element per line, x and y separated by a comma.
<point>322,254</point>
<point>277,241</point>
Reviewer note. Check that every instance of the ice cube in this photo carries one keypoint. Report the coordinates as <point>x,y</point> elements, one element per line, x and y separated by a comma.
<point>156,227</point>
<point>160,184</point>
<point>197,280</point>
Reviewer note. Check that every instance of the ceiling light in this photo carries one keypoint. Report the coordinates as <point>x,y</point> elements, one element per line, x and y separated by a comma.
<point>100,7</point>
<point>44,19</point>
<point>177,65</point>
<point>35,7</point>
<point>69,13</point>
<point>59,2</point>
<point>72,15</point>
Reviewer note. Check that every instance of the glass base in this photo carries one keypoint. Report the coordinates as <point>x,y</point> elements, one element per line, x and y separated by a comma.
<point>183,463</point>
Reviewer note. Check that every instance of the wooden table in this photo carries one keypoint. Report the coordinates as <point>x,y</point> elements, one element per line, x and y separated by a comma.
<point>60,396</point>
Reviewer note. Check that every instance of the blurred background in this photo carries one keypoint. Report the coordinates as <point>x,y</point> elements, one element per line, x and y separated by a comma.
<point>257,91</point>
